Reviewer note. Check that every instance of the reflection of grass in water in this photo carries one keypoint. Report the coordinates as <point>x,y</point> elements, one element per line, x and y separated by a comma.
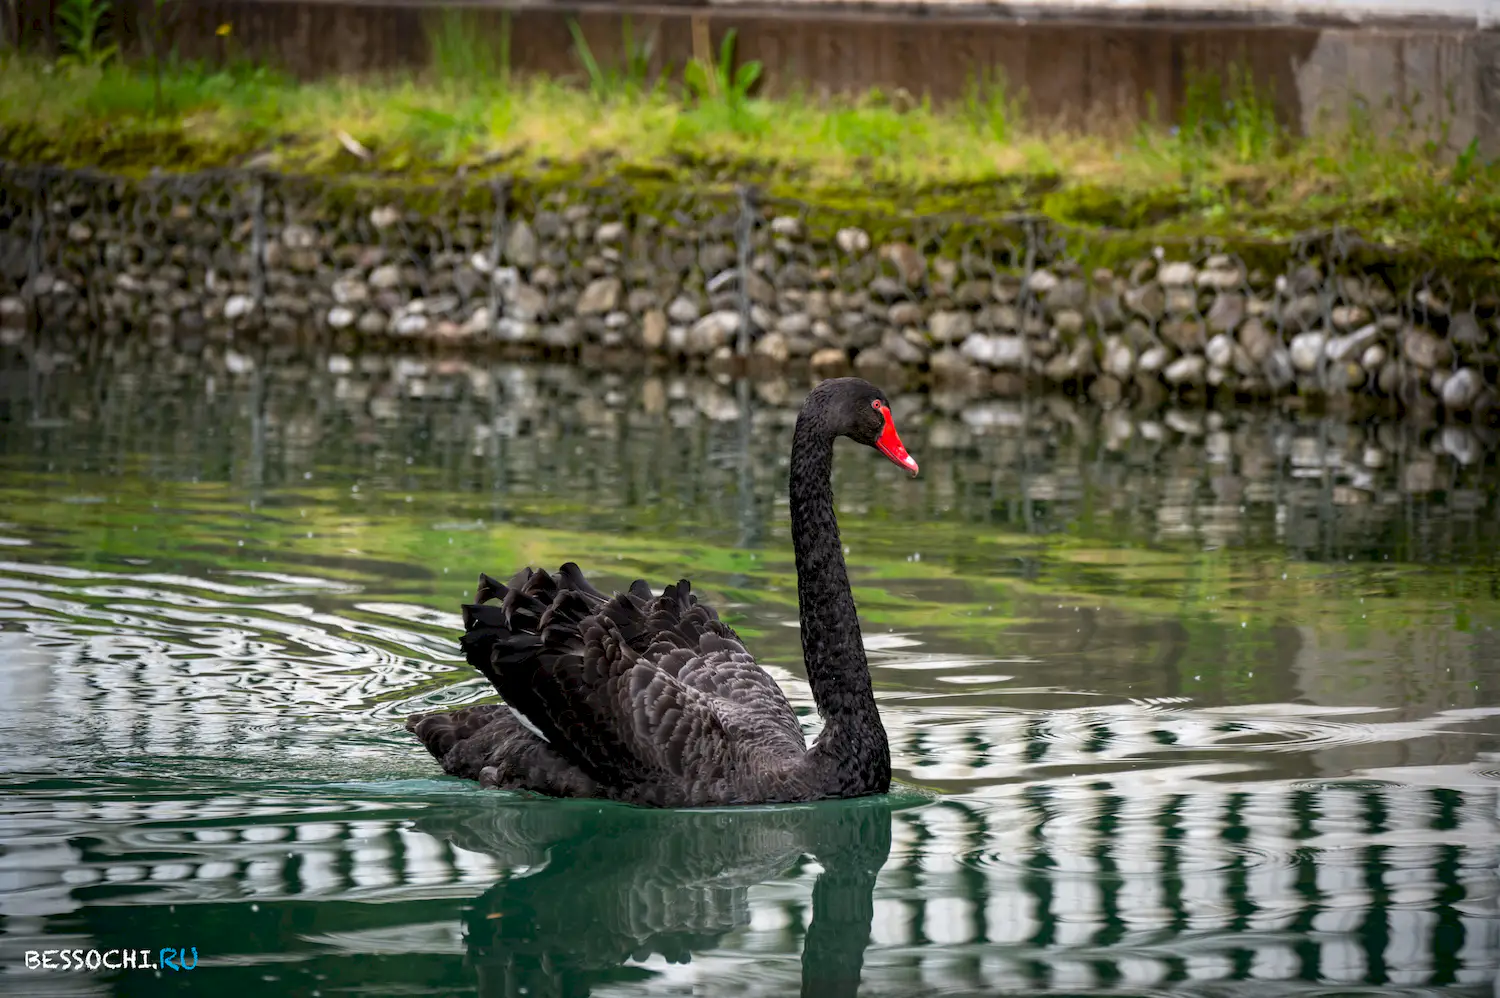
<point>967,582</point>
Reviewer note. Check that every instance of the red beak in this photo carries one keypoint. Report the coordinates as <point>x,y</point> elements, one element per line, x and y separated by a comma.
<point>891,446</point>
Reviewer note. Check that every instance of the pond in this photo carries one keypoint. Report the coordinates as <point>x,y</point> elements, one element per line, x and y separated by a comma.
<point>1179,702</point>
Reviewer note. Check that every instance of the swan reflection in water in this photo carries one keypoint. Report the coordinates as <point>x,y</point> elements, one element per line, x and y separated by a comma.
<point>606,885</point>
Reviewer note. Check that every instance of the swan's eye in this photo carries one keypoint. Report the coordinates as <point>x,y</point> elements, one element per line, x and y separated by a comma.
<point>877,405</point>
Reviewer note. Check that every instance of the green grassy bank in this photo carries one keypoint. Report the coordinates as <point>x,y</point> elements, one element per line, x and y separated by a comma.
<point>1226,167</point>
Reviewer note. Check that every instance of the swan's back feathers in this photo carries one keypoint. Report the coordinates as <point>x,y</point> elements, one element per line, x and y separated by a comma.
<point>650,696</point>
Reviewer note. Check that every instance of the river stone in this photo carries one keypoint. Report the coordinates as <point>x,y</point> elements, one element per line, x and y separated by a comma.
<point>852,241</point>
<point>1106,391</point>
<point>1041,282</point>
<point>1432,302</point>
<point>1278,369</point>
<point>873,359</point>
<point>683,310</point>
<point>1176,274</point>
<point>609,233</point>
<point>1306,350</point>
<point>1220,350</point>
<point>1461,389</point>
<point>298,237</point>
<point>654,330</point>
<point>786,226</point>
<point>949,363</point>
<point>1343,348</point>
<point>1187,335</point>
<point>1181,301</point>
<point>1350,376</point>
<point>1226,313</point>
<point>1149,301</point>
<point>563,335</point>
<point>521,245</point>
<point>886,289</point>
<point>12,312</point>
<point>712,331</point>
<point>384,216</point>
<point>478,323</point>
<point>1424,348</point>
<point>995,351</point>
<point>1347,317</point>
<point>340,317</point>
<point>1068,323</point>
<point>1464,330</point>
<point>972,293</point>
<point>1257,341</point>
<point>1152,359</point>
<point>1078,362</point>
<point>1002,318</point>
<point>640,299</point>
<point>372,322</point>
<point>794,325</point>
<point>386,277</point>
<point>1184,370</point>
<point>795,276</point>
<point>600,296</point>
<point>410,324</point>
<point>1068,294</point>
<point>831,359</point>
<point>905,313</point>
<point>1119,358</point>
<point>911,266</point>
<point>949,326</point>
<point>1373,356</point>
<point>774,347</point>
<point>1302,313</point>
<point>238,306</point>
<point>902,349</point>
<point>525,302</point>
<point>1220,274</point>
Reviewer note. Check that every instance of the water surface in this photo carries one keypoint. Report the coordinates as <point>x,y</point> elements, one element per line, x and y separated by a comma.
<point>1179,702</point>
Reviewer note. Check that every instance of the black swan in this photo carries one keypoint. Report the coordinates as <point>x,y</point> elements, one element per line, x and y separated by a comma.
<point>652,699</point>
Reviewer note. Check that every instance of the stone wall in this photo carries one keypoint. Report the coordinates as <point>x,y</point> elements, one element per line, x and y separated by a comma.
<point>697,278</point>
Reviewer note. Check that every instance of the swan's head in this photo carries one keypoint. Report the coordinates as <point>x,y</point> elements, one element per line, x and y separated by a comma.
<point>854,408</point>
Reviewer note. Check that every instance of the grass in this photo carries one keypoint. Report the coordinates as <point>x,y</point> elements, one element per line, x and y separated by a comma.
<point>1223,165</point>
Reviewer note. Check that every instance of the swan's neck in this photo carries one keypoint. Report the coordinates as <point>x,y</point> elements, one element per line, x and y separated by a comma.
<point>853,747</point>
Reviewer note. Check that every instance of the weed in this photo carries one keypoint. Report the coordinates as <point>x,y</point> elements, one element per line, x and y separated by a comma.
<point>1230,118</point>
<point>632,79</point>
<point>462,50</point>
<point>80,33</point>
<point>721,91</point>
<point>991,108</point>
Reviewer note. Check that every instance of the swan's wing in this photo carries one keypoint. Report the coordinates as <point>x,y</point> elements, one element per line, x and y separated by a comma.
<point>689,641</point>
<point>653,697</point>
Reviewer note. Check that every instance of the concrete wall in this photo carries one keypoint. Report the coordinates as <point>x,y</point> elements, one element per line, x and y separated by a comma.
<point>1096,65</point>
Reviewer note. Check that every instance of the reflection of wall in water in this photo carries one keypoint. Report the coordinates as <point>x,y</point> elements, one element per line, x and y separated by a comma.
<point>1065,886</point>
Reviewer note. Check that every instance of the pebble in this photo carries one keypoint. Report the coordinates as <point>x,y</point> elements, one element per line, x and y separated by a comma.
<point>1461,389</point>
<point>238,306</point>
<point>1185,370</point>
<point>852,241</point>
<point>1307,350</point>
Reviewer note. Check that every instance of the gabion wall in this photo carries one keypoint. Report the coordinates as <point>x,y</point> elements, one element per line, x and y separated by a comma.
<point>706,277</point>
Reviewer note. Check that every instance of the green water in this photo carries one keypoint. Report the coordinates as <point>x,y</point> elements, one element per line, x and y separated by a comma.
<point>1179,703</point>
